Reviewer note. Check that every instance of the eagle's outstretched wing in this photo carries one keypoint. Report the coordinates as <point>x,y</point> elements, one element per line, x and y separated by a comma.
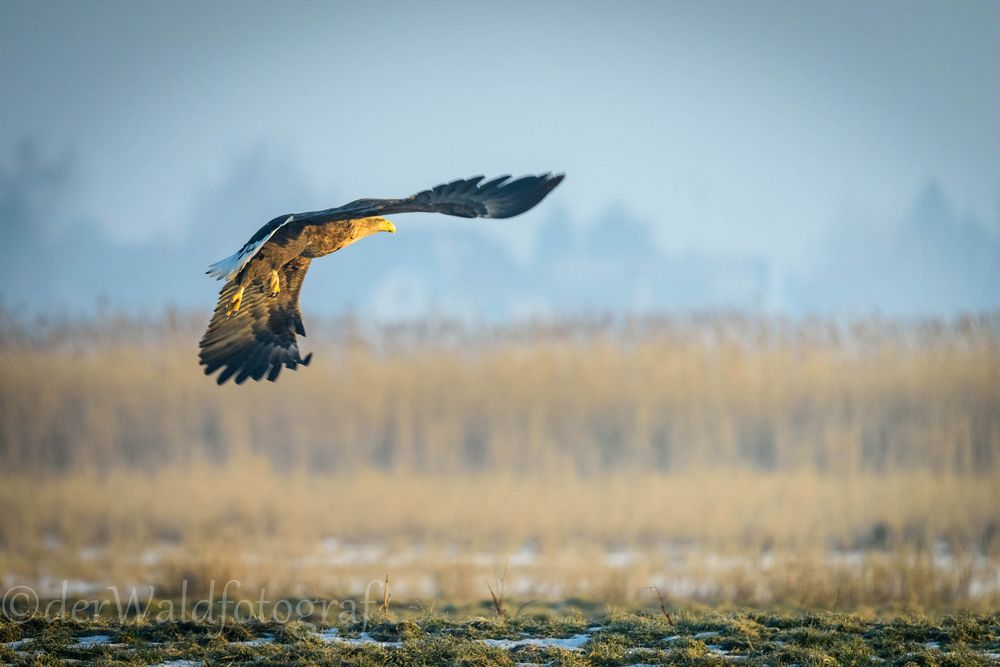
<point>261,341</point>
<point>466,198</point>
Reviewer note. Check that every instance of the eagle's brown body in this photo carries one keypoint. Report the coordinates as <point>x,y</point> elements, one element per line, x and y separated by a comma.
<point>256,320</point>
<point>309,242</point>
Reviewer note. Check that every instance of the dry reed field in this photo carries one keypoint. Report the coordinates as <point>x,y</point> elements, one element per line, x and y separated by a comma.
<point>832,464</point>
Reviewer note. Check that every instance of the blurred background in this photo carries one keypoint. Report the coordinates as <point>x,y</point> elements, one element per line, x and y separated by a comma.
<point>746,352</point>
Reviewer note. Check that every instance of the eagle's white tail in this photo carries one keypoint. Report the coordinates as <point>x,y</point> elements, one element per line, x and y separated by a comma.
<point>226,269</point>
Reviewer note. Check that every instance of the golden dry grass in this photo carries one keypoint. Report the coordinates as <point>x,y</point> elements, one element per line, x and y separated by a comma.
<point>593,397</point>
<point>824,463</point>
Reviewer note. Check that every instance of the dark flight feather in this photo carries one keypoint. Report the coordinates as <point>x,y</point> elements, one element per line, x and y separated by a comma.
<point>465,198</point>
<point>261,339</point>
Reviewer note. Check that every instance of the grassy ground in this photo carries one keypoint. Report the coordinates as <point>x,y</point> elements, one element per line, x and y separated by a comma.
<point>546,637</point>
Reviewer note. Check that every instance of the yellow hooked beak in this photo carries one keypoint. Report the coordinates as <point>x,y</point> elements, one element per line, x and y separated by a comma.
<point>388,226</point>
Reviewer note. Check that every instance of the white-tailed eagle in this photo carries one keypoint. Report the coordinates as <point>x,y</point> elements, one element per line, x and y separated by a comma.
<point>253,329</point>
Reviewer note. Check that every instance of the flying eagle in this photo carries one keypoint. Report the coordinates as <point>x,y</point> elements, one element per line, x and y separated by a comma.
<point>253,328</point>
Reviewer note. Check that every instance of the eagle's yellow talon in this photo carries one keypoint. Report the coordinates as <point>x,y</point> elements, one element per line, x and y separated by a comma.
<point>234,303</point>
<point>274,286</point>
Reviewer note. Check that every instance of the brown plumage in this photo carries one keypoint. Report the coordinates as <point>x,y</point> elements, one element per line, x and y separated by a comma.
<point>253,330</point>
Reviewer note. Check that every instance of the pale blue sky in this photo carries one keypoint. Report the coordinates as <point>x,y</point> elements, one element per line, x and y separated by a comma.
<point>742,127</point>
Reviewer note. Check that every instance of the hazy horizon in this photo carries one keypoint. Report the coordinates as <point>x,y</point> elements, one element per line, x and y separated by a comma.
<point>790,157</point>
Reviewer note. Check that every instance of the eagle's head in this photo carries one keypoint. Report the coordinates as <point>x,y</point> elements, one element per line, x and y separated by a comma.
<point>367,226</point>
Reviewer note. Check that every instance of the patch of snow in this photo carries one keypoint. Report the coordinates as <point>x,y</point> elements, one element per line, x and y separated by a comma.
<point>155,554</point>
<point>257,641</point>
<point>933,645</point>
<point>179,663</point>
<point>982,587</point>
<point>705,635</point>
<point>526,555</point>
<point>684,587</point>
<point>854,558</point>
<point>90,553</point>
<point>18,643</point>
<point>50,587</point>
<point>723,653</point>
<point>93,640</point>
<point>574,643</point>
<point>618,558</point>
<point>332,552</point>
<point>366,638</point>
<point>333,635</point>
